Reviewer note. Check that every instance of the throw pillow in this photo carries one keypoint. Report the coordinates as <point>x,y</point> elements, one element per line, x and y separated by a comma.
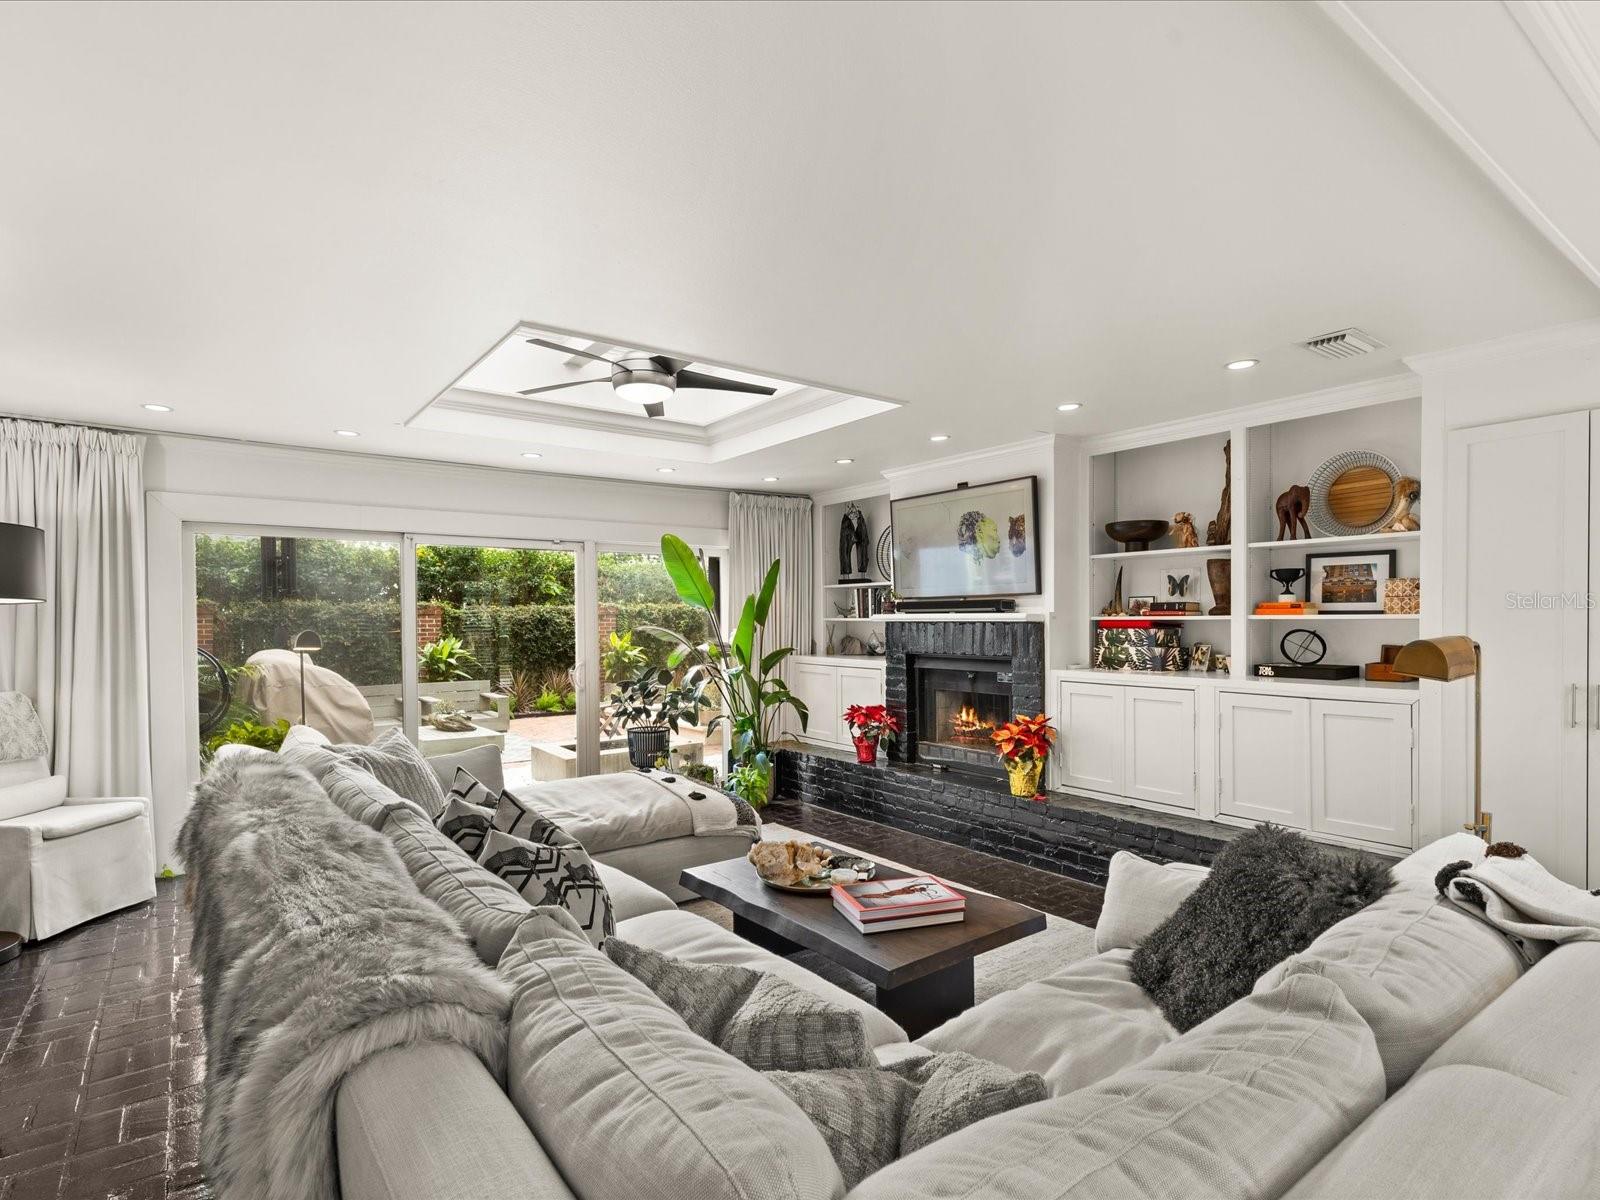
<point>705,995</point>
<point>957,1090</point>
<point>520,819</point>
<point>359,794</point>
<point>397,764</point>
<point>1269,894</point>
<point>466,788</point>
<point>465,824</point>
<point>1139,896</point>
<point>859,1112</point>
<point>781,1027</point>
<point>562,876</point>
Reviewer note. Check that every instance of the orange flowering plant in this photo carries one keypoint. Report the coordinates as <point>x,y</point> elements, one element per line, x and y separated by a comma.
<point>1027,738</point>
<point>872,721</point>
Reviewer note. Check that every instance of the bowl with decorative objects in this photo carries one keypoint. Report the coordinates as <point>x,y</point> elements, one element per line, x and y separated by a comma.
<point>806,868</point>
<point>1137,535</point>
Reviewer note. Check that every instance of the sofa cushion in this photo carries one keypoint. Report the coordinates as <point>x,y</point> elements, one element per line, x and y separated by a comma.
<point>362,797</point>
<point>487,909</point>
<point>1075,1027</point>
<point>559,876</point>
<point>68,820</point>
<point>1139,896</point>
<point>631,897</point>
<point>634,808</point>
<point>684,935</point>
<point>1240,1107</point>
<point>32,796</point>
<point>1271,891</point>
<point>482,762</point>
<point>1416,968</point>
<point>23,770</point>
<point>598,1062</point>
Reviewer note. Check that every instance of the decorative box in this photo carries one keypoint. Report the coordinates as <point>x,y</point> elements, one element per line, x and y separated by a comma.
<point>1121,649</point>
<point>1402,595</point>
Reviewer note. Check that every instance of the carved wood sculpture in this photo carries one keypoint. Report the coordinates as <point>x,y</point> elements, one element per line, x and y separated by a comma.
<point>1115,609</point>
<point>1220,531</point>
<point>1292,507</point>
<point>1183,534</point>
<point>1409,491</point>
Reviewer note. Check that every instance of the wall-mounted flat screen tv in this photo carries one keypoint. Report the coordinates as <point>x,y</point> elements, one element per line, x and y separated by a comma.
<point>969,542</point>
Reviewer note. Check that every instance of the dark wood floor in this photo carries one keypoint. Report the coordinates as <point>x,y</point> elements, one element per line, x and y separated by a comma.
<point>101,1054</point>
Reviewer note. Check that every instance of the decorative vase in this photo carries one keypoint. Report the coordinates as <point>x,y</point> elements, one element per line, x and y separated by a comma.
<point>866,748</point>
<point>1220,572</point>
<point>1024,774</point>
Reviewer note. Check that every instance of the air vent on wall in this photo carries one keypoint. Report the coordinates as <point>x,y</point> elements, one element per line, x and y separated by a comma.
<point>1343,343</point>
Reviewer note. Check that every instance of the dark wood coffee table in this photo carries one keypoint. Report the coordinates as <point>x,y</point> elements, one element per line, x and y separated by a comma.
<point>922,977</point>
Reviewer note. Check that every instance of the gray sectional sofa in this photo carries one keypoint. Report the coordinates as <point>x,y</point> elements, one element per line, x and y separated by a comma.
<point>1405,1053</point>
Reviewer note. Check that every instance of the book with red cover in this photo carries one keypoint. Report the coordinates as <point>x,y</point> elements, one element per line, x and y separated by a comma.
<point>1124,623</point>
<point>893,899</point>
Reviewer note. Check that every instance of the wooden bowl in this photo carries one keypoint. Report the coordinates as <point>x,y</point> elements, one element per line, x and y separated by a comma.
<point>1137,535</point>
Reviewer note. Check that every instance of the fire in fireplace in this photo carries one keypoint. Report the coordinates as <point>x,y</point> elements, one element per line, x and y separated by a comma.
<point>959,702</point>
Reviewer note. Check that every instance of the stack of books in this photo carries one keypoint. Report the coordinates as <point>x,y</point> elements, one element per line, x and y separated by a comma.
<point>1284,608</point>
<point>1174,608</point>
<point>879,905</point>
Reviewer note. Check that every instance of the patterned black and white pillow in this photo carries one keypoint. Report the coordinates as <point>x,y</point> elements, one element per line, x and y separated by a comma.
<point>467,825</point>
<point>563,876</point>
<point>522,820</point>
<point>466,788</point>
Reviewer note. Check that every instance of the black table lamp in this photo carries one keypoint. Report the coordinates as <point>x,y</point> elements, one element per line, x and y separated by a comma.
<point>21,564</point>
<point>305,642</point>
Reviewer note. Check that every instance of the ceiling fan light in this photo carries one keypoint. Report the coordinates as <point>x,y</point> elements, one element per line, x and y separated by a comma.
<point>644,391</point>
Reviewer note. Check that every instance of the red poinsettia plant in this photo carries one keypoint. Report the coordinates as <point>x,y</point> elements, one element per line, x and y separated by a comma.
<point>1027,738</point>
<point>872,721</point>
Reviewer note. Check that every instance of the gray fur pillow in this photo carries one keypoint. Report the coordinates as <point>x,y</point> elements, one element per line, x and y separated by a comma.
<point>1270,892</point>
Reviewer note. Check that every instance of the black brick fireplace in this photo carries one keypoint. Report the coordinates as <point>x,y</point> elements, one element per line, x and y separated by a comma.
<point>953,681</point>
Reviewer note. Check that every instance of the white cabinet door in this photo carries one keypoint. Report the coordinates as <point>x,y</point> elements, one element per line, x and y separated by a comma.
<point>1361,770</point>
<point>817,686</point>
<point>1091,736</point>
<point>1263,758</point>
<point>1158,749</point>
<point>859,685</point>
<point>1518,581</point>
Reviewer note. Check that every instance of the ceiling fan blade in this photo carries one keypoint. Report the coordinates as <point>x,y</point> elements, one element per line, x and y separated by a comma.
<point>656,408</point>
<point>715,383</point>
<point>557,346</point>
<point>556,387</point>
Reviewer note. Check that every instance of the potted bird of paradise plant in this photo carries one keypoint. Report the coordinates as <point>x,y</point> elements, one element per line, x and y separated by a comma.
<point>870,724</point>
<point>1023,744</point>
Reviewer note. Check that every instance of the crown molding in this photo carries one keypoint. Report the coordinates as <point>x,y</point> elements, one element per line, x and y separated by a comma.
<point>1386,390</point>
<point>851,491</point>
<point>974,457</point>
<point>1344,16</point>
<point>1556,33</point>
<point>1573,336</point>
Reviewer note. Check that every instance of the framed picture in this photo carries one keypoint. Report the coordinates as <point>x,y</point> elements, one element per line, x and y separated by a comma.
<point>1200,657</point>
<point>1222,663</point>
<point>1139,605</point>
<point>1348,582</point>
<point>967,542</point>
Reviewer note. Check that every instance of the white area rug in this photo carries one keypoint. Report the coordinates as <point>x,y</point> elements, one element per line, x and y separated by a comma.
<point>1001,970</point>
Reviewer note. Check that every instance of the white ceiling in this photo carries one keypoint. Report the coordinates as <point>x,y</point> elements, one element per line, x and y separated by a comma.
<point>283,220</point>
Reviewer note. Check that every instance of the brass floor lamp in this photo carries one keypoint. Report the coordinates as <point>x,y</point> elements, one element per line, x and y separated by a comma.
<point>1447,659</point>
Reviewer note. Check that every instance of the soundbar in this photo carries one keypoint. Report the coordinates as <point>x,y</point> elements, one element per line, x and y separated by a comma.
<point>955,606</point>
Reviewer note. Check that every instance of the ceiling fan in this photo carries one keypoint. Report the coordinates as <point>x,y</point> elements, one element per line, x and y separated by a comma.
<point>650,380</point>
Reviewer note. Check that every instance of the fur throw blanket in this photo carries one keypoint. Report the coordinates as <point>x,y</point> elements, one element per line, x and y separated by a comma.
<point>315,951</point>
<point>1513,892</point>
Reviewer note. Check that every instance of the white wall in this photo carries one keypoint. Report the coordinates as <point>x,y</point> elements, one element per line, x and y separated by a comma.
<point>196,480</point>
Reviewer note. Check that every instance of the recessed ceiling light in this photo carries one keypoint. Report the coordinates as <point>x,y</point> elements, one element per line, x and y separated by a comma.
<point>769,479</point>
<point>1069,406</point>
<point>1242,364</point>
<point>347,433</point>
<point>939,437</point>
<point>666,470</point>
<point>156,407</point>
<point>844,462</point>
<point>531,454</point>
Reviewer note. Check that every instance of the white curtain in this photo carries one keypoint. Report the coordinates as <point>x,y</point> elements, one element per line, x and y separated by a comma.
<point>760,529</point>
<point>81,654</point>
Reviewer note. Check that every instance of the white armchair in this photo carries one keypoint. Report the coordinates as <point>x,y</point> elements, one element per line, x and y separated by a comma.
<point>63,860</point>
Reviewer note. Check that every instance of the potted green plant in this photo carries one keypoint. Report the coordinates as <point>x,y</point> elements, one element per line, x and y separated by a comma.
<point>445,661</point>
<point>650,708</point>
<point>740,669</point>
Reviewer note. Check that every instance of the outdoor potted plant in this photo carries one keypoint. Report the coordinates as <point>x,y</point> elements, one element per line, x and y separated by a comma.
<point>651,709</point>
<point>740,670</point>
<point>1023,744</point>
<point>870,724</point>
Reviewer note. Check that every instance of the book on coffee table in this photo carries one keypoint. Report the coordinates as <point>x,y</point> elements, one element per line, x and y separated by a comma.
<point>879,905</point>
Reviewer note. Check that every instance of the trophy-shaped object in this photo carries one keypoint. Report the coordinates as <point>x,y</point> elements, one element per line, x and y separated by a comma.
<point>1288,576</point>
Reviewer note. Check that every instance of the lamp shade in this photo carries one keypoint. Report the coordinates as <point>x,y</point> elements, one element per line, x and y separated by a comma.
<point>307,641</point>
<point>21,564</point>
<point>1441,658</point>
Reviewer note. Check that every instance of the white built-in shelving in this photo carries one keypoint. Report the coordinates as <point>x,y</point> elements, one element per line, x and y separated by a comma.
<point>1335,543</point>
<point>1165,552</point>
